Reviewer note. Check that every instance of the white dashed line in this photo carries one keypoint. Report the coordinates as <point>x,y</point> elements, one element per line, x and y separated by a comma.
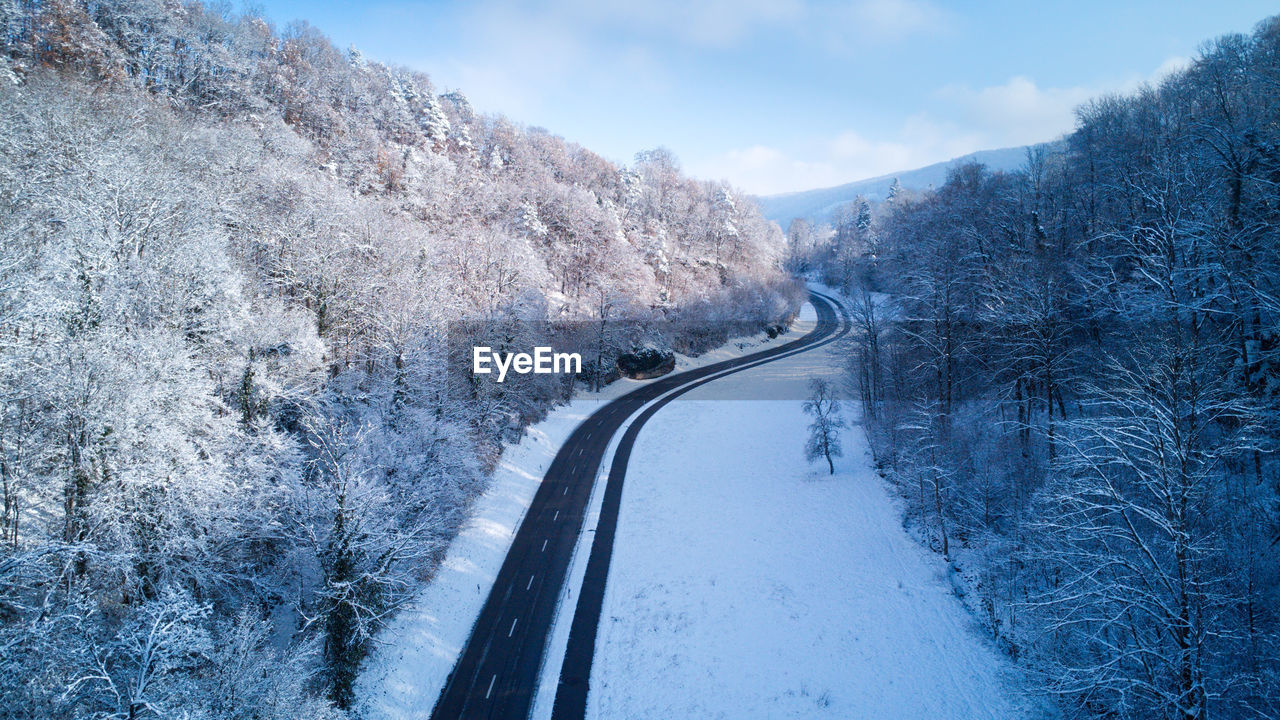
<point>513,627</point>
<point>526,587</point>
<point>544,546</point>
<point>566,490</point>
<point>490,690</point>
<point>557,516</point>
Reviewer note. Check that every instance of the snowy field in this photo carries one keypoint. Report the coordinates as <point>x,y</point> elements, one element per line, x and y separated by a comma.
<point>404,676</point>
<point>748,584</point>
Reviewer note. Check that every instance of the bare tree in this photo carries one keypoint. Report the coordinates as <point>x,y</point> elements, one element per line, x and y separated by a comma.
<point>824,432</point>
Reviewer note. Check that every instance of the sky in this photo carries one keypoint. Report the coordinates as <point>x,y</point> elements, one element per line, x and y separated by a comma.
<point>783,95</point>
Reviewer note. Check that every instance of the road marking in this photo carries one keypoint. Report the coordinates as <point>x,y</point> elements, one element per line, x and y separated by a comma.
<point>544,546</point>
<point>526,587</point>
<point>513,626</point>
<point>566,490</point>
<point>557,516</point>
<point>490,690</point>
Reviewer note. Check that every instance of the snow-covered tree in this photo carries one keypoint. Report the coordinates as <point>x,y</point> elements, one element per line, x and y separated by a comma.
<point>219,242</point>
<point>823,405</point>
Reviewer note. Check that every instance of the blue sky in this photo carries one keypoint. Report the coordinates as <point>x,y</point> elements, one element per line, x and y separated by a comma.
<point>781,95</point>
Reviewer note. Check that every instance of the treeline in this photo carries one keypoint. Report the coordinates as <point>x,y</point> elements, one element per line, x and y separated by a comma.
<point>229,262</point>
<point>1070,373</point>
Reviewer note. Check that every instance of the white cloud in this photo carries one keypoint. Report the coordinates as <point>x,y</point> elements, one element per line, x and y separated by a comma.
<point>727,23</point>
<point>1170,66</point>
<point>524,58</point>
<point>531,61</point>
<point>765,170</point>
<point>848,156</point>
<point>920,141</point>
<point>851,29</point>
<point>895,19</point>
<point>1018,112</point>
<point>710,23</point>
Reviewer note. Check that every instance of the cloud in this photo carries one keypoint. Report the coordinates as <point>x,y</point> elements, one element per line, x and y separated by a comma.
<point>1172,65</point>
<point>581,66</point>
<point>520,59</point>
<point>719,24</point>
<point>709,24</point>
<point>844,30</point>
<point>765,170</point>
<point>846,157</point>
<point>1018,112</point>
<point>895,19</point>
<point>920,141</point>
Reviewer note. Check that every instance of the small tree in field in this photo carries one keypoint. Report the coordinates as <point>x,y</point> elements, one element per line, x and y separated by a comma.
<point>824,431</point>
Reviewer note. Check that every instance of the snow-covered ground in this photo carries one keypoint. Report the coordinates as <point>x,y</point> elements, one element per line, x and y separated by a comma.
<point>746,583</point>
<point>404,676</point>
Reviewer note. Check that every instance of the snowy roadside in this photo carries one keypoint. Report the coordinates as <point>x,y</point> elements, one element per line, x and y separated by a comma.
<point>746,583</point>
<point>405,673</point>
<point>965,582</point>
<point>558,640</point>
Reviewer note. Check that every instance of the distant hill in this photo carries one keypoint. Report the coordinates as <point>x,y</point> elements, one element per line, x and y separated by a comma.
<point>818,205</point>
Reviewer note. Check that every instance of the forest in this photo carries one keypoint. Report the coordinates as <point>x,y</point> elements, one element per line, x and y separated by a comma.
<point>231,442</point>
<point>1070,374</point>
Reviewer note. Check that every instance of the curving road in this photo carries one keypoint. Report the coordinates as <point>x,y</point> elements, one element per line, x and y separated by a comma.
<point>498,670</point>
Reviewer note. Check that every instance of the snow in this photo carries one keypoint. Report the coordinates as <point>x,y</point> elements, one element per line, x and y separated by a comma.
<point>544,697</point>
<point>406,672</point>
<point>747,583</point>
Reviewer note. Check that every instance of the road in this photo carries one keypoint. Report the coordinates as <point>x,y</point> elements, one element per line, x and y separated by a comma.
<point>498,670</point>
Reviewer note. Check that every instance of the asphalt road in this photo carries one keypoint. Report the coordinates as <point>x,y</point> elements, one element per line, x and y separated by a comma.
<point>498,670</point>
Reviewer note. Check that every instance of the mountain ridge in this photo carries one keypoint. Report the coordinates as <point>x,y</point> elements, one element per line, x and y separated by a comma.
<point>819,204</point>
